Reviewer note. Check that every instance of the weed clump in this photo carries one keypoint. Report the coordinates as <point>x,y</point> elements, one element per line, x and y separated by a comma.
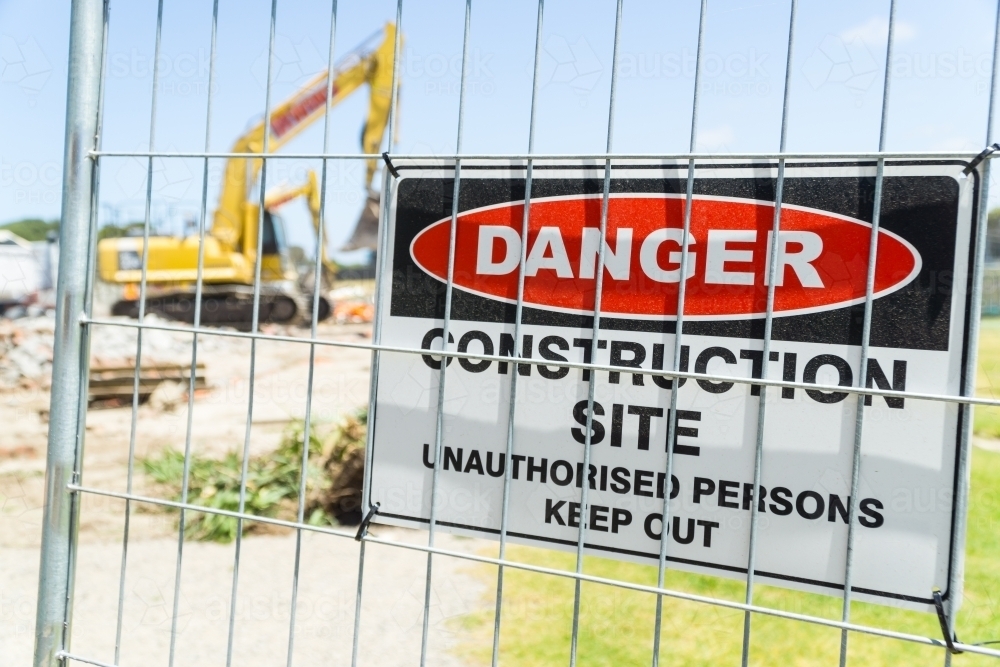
<point>334,476</point>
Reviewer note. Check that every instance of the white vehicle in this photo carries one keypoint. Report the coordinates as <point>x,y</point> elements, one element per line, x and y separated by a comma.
<point>20,272</point>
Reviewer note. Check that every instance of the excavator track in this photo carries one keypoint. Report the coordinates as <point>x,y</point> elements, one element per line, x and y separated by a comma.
<point>231,306</point>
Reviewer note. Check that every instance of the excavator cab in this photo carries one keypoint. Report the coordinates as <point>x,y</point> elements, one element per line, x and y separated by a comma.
<point>273,242</point>
<point>276,265</point>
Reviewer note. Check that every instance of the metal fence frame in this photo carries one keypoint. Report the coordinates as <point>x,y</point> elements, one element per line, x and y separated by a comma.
<point>64,483</point>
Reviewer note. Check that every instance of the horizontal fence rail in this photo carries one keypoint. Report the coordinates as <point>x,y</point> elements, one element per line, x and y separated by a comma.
<point>529,361</point>
<point>857,155</point>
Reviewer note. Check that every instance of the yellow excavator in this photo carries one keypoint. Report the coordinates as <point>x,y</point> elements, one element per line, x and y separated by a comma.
<point>230,251</point>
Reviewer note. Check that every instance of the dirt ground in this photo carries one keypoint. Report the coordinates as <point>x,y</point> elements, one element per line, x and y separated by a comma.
<point>394,581</point>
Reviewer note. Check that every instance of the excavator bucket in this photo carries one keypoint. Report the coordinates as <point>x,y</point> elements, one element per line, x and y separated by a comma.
<point>365,234</point>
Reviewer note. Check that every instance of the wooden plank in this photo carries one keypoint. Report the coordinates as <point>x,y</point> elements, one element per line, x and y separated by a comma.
<point>118,381</point>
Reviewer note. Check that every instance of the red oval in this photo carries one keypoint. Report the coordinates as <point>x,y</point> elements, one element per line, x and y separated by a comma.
<point>735,231</point>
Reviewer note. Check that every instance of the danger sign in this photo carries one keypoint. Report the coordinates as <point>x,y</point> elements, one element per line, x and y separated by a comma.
<point>642,257</point>
<point>903,547</point>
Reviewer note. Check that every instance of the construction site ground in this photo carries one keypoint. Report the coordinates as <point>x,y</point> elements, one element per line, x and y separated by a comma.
<point>394,582</point>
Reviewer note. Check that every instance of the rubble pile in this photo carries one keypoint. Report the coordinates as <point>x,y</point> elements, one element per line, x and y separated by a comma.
<point>26,349</point>
<point>115,345</point>
<point>26,353</point>
<point>352,304</point>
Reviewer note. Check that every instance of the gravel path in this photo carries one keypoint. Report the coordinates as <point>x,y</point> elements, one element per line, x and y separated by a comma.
<point>391,614</point>
<point>394,581</point>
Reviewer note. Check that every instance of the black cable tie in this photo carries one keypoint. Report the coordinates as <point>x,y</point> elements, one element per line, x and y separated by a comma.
<point>392,170</point>
<point>989,150</point>
<point>943,620</point>
<point>363,528</point>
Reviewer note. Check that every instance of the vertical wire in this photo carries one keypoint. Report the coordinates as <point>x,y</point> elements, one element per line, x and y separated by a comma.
<point>317,281</point>
<point>255,323</point>
<point>199,281</point>
<point>772,273</point>
<point>383,244</point>
<point>439,421</point>
<point>515,368</point>
<point>865,339</point>
<point>139,330</point>
<point>357,599</point>
<point>954,591</point>
<point>681,293</point>
<point>85,334</point>
<point>595,332</point>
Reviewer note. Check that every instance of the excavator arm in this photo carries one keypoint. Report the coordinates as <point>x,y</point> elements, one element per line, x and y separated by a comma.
<point>311,191</point>
<point>235,222</point>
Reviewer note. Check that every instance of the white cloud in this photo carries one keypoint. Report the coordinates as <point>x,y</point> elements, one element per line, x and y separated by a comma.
<point>876,29</point>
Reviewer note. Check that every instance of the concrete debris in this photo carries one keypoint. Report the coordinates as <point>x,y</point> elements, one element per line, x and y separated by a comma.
<point>26,353</point>
<point>26,349</point>
<point>112,345</point>
<point>168,395</point>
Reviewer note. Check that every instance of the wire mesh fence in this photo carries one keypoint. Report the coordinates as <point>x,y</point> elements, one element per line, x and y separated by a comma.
<point>991,292</point>
<point>66,485</point>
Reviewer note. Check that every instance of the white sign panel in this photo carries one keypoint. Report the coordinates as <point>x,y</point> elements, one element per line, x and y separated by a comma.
<point>909,449</point>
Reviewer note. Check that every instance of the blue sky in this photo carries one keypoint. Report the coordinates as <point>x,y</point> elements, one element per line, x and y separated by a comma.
<point>938,98</point>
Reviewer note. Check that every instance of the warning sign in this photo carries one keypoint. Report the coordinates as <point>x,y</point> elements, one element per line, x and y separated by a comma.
<point>903,544</point>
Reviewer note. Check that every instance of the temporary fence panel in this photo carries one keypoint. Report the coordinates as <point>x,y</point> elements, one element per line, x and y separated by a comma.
<point>525,293</point>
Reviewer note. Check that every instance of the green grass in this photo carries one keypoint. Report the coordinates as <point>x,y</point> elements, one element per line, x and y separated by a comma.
<point>616,626</point>
<point>987,420</point>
